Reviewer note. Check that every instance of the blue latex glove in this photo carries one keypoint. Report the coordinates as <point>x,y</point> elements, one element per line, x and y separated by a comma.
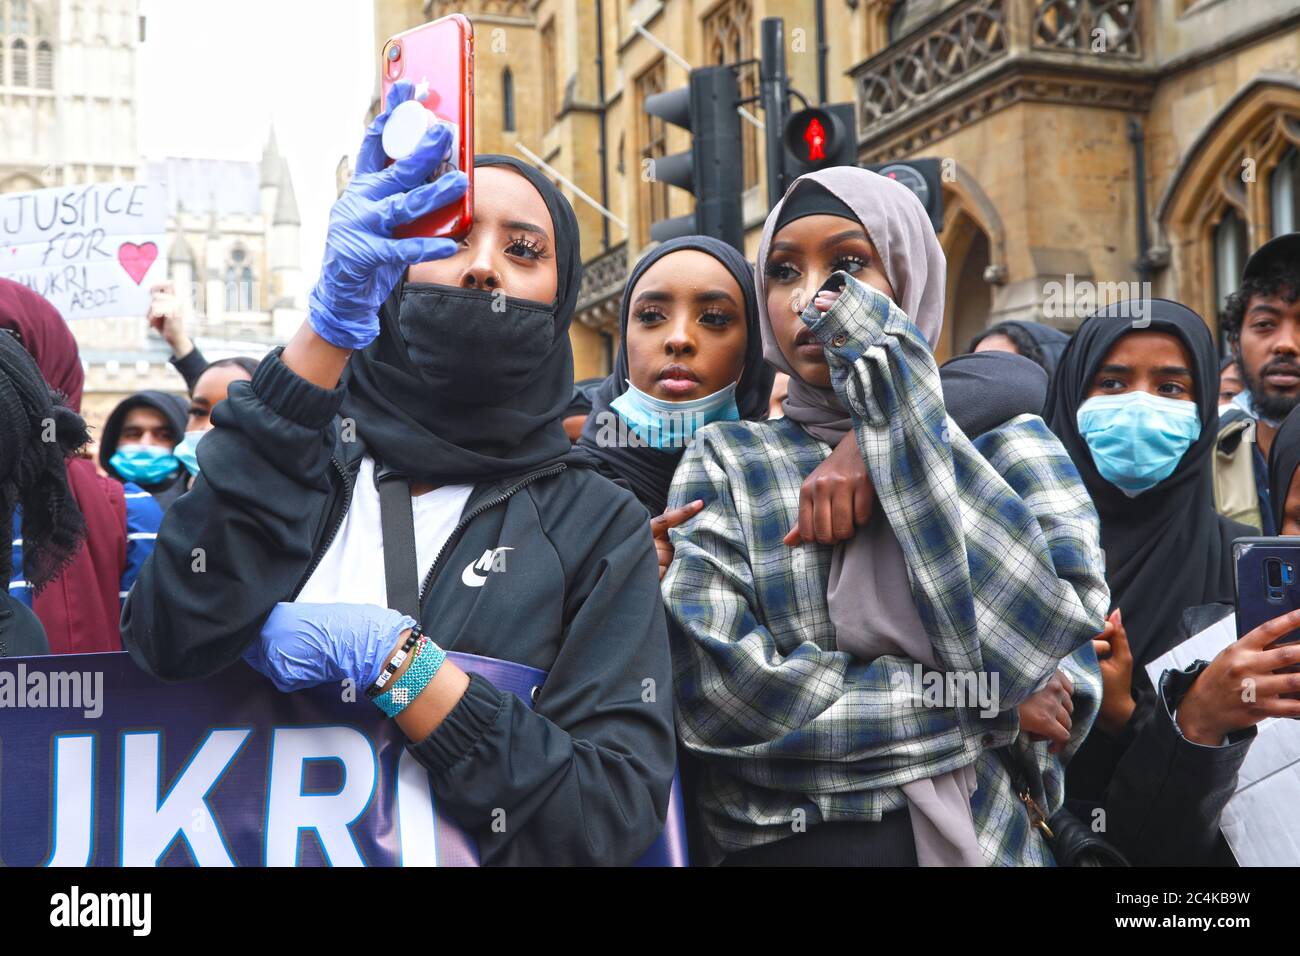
<point>362,262</point>
<point>303,645</point>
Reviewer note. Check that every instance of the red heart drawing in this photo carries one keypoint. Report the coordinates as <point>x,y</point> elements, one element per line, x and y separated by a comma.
<point>136,260</point>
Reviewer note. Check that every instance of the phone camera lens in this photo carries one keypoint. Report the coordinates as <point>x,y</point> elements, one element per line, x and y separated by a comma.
<point>394,52</point>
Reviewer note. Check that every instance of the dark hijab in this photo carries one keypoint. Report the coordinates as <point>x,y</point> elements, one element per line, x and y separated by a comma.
<point>1166,549</point>
<point>46,337</point>
<point>981,390</point>
<point>1041,343</point>
<point>649,471</point>
<point>1283,460</point>
<point>432,437</point>
<point>32,470</point>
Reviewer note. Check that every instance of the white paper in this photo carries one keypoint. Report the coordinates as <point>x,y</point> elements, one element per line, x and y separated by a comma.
<point>1262,820</point>
<point>91,250</point>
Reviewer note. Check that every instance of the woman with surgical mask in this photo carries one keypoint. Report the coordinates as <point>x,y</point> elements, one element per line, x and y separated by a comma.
<point>1135,404</point>
<point>690,354</point>
<point>423,400</point>
<point>797,667</point>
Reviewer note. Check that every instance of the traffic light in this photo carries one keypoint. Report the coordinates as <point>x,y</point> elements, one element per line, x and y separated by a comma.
<point>819,136</point>
<point>712,169</point>
<point>922,177</point>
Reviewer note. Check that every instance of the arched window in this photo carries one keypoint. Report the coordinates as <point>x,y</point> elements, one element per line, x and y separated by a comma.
<point>508,98</point>
<point>232,286</point>
<point>44,65</point>
<point>22,74</point>
<point>1284,194</point>
<point>1230,244</point>
<point>729,38</point>
<point>652,193</point>
<point>246,289</point>
<point>1240,161</point>
<point>239,282</point>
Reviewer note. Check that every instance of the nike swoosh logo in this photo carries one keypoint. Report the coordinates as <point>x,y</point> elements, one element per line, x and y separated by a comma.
<point>470,577</point>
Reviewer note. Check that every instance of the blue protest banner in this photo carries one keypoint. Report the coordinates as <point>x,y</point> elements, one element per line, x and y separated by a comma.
<point>102,765</point>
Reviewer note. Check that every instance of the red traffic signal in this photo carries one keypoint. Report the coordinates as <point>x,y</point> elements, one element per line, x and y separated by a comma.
<point>818,137</point>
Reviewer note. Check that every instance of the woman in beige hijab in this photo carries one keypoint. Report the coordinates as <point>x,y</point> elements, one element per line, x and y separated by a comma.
<point>828,689</point>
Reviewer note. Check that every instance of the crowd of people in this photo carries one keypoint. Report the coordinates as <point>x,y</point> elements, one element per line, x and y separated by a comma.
<point>751,554</point>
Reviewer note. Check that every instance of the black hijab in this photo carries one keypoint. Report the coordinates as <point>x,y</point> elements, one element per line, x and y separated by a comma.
<point>1283,460</point>
<point>1041,343</point>
<point>649,471</point>
<point>981,390</point>
<point>33,471</point>
<point>1166,549</point>
<point>1051,342</point>
<point>432,438</point>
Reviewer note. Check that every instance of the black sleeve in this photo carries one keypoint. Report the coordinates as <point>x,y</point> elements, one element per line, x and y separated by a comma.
<point>241,539</point>
<point>584,778</point>
<point>190,367</point>
<point>1167,796</point>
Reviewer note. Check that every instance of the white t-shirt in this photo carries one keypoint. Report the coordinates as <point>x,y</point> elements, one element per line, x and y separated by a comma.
<point>352,569</point>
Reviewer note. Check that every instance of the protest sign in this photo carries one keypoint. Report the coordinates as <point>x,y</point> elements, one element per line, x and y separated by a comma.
<point>91,250</point>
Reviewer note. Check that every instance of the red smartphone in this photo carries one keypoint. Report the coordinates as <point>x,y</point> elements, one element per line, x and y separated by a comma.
<point>440,55</point>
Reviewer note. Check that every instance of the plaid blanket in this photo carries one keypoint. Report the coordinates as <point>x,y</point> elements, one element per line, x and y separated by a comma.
<point>1002,547</point>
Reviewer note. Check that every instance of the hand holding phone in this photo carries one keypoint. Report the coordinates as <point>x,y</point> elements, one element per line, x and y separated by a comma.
<point>363,261</point>
<point>1267,577</point>
<point>437,61</point>
<point>1246,682</point>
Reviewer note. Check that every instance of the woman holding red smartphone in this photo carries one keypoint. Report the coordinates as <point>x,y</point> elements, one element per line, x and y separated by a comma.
<point>448,382</point>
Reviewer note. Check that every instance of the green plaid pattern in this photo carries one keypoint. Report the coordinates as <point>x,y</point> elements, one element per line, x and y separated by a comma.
<point>1002,546</point>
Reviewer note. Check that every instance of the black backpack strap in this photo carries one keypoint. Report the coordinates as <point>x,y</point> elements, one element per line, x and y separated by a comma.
<point>398,526</point>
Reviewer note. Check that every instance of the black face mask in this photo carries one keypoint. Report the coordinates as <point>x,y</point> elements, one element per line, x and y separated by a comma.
<point>471,345</point>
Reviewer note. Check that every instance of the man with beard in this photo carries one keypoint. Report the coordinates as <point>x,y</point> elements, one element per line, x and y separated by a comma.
<point>1262,321</point>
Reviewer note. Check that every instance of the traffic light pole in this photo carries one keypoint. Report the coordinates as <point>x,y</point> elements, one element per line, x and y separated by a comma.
<point>774,94</point>
<point>718,177</point>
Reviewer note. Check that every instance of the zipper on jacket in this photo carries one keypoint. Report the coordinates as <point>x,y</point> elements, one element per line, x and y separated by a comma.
<point>329,539</point>
<point>466,519</point>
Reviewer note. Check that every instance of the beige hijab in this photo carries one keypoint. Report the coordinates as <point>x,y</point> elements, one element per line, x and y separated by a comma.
<point>869,592</point>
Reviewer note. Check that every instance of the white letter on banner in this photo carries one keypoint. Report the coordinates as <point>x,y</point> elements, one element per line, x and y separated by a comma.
<point>416,820</point>
<point>74,800</point>
<point>290,810</point>
<point>150,827</point>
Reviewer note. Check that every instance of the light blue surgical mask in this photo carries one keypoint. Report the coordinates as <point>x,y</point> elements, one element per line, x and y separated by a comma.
<point>144,464</point>
<point>1137,439</point>
<point>187,451</point>
<point>662,424</point>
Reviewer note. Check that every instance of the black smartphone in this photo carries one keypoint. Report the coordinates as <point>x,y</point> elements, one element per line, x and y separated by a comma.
<point>1267,582</point>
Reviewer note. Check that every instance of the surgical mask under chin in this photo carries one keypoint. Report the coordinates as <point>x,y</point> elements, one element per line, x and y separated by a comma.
<point>663,424</point>
<point>144,464</point>
<point>187,451</point>
<point>1137,439</point>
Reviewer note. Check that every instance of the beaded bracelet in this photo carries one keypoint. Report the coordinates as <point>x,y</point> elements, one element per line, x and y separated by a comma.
<point>427,659</point>
<point>395,662</point>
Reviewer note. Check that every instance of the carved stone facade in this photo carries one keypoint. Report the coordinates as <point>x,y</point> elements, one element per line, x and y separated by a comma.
<point>1037,108</point>
<point>1031,103</point>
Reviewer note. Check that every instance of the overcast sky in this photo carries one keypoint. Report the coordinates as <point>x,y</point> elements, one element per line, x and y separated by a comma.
<point>214,76</point>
